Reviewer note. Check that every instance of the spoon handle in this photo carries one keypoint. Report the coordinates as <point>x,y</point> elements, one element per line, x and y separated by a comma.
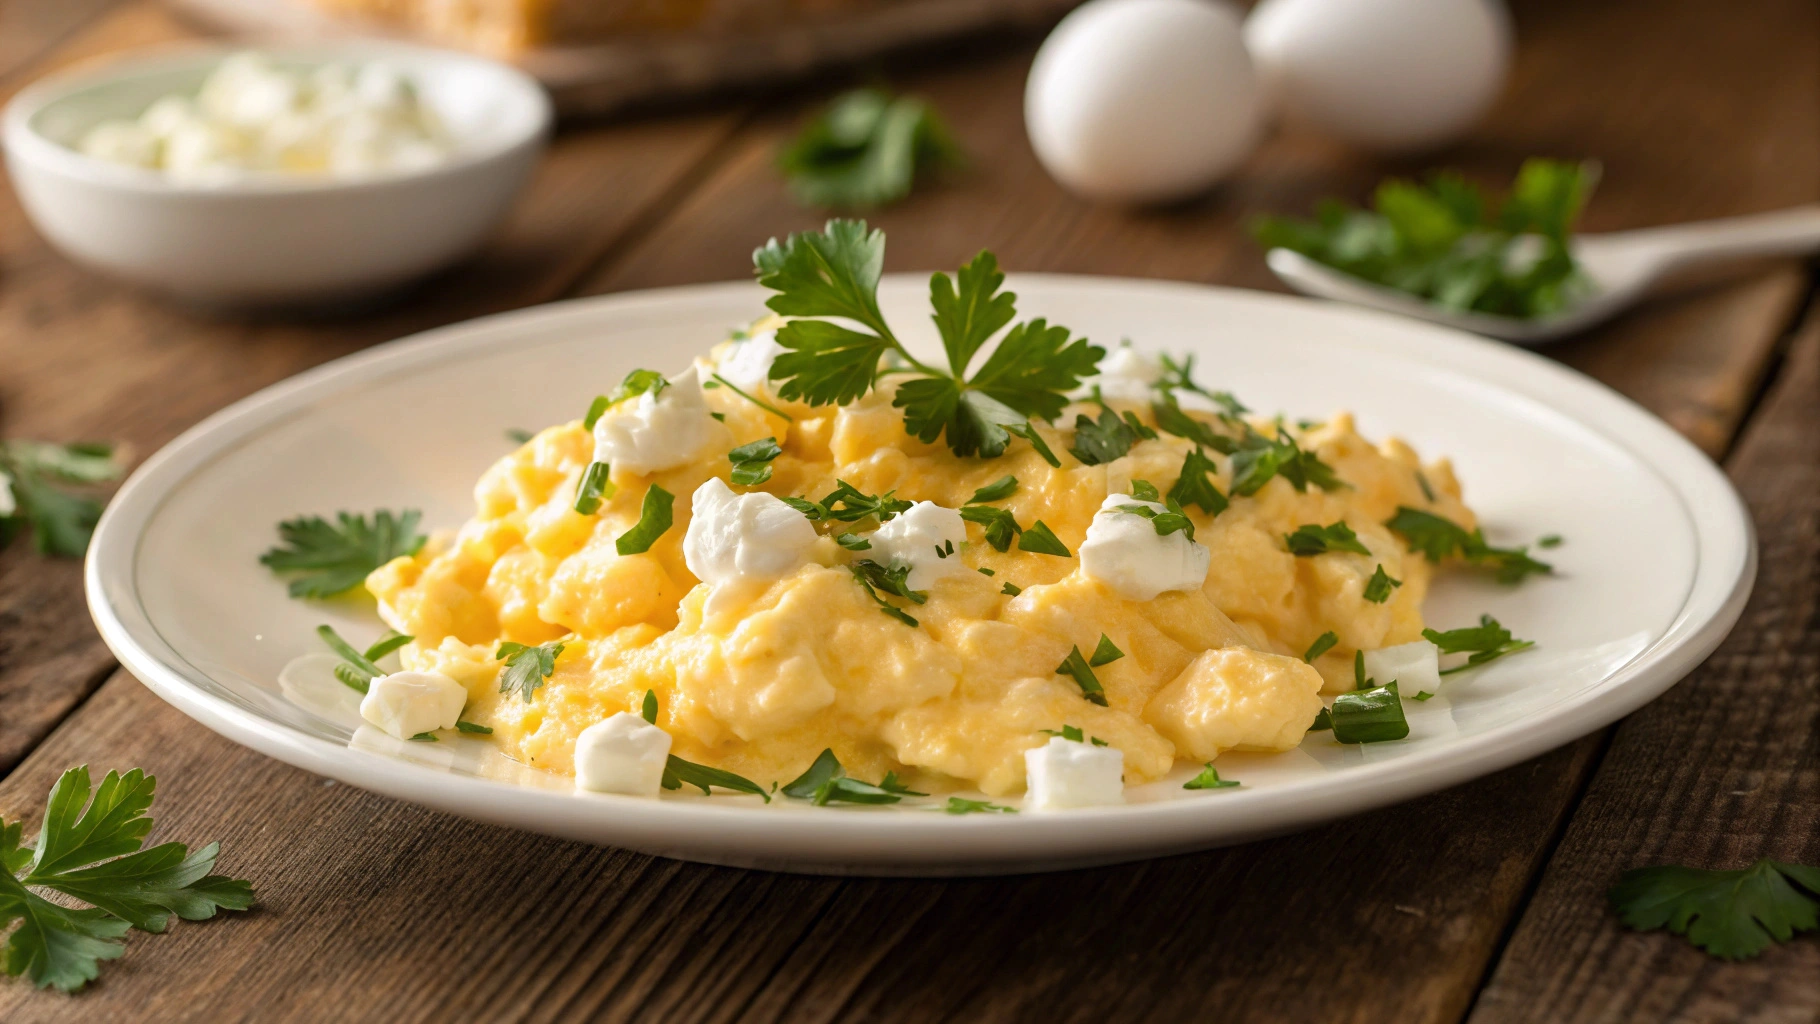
<point>1791,232</point>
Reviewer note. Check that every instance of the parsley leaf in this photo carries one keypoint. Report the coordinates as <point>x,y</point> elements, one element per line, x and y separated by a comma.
<point>1194,486</point>
<point>1000,525</point>
<point>1144,490</point>
<point>1259,459</point>
<point>1322,644</point>
<point>678,772</point>
<point>1369,716</point>
<point>593,488</point>
<point>1209,779</point>
<point>1172,420</point>
<point>654,520</point>
<point>358,668</point>
<point>1310,539</point>
<point>968,314</point>
<point>336,557</point>
<point>1172,520</point>
<point>997,490</point>
<point>31,493</point>
<point>1097,443</point>
<point>715,380</point>
<point>1734,915</point>
<point>1448,243</point>
<point>864,151</point>
<point>848,504</point>
<point>1010,589</point>
<point>463,725</point>
<point>1486,641</point>
<point>1038,537</point>
<point>637,382</point>
<point>526,667</point>
<point>91,849</point>
<point>1378,588</point>
<point>752,462</point>
<point>1075,667</point>
<point>875,577</point>
<point>825,782</point>
<point>962,805</point>
<point>1437,537</point>
<point>1106,653</point>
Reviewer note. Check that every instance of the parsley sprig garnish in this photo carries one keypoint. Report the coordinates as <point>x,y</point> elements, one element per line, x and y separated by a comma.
<point>526,668</point>
<point>93,850</point>
<point>1438,537</point>
<point>1258,459</point>
<point>1734,915</point>
<point>678,772</point>
<point>1311,539</point>
<point>826,782</point>
<point>1097,442</point>
<point>874,577</point>
<point>336,557</point>
<point>848,504</point>
<point>1171,520</point>
<point>834,273</point>
<point>1195,486</point>
<point>865,150</point>
<point>34,493</point>
<point>998,490</point>
<point>1485,642</point>
<point>359,668</point>
<point>1075,667</point>
<point>752,461</point>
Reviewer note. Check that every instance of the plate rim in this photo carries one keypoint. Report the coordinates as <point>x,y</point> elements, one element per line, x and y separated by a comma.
<point>875,843</point>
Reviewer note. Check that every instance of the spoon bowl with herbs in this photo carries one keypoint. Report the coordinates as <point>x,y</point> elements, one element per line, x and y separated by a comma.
<point>1442,252</point>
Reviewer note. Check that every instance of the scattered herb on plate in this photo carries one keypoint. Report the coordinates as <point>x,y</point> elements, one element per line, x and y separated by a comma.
<point>826,782</point>
<point>752,461</point>
<point>1485,642</point>
<point>1209,778</point>
<point>359,668</point>
<point>962,805</point>
<point>1438,537</point>
<point>526,668</point>
<point>865,150</point>
<point>678,772</point>
<point>333,558</point>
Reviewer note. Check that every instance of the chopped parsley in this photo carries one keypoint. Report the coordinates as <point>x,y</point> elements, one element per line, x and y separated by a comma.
<point>463,725</point>
<point>1073,734</point>
<point>983,571</point>
<point>1179,376</point>
<point>1369,716</point>
<point>1010,589</point>
<point>1209,779</point>
<point>716,380</point>
<point>998,490</point>
<point>892,580</point>
<point>848,504</point>
<point>517,435</point>
<point>1447,242</point>
<point>852,542</point>
<point>1111,437</point>
<point>1322,644</point>
<point>1310,539</point>
<point>423,737</point>
<point>1437,538</point>
<point>1552,540</point>
<point>678,772</point>
<point>654,520</point>
<point>826,782</point>
<point>1487,641</point>
<point>333,558</point>
<point>526,668</point>
<point>1105,653</point>
<point>1042,540</point>
<point>834,273</point>
<point>637,382</point>
<point>1171,520</point>
<point>999,525</point>
<point>593,488</point>
<point>962,805</point>
<point>1172,420</point>
<point>34,493</point>
<point>752,462</point>
<point>359,668</point>
<point>648,708</point>
<point>865,150</point>
<point>1260,459</point>
<point>91,848</point>
<point>1734,915</point>
<point>1144,490</point>
<point>1378,588</point>
<point>1195,486</point>
<point>1075,667</point>
<point>1323,721</point>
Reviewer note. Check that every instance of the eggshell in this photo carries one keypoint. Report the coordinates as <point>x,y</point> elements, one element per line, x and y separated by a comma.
<point>1143,101</point>
<point>1391,75</point>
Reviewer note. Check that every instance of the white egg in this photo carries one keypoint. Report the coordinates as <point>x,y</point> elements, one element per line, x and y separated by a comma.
<point>1385,74</point>
<point>1143,100</point>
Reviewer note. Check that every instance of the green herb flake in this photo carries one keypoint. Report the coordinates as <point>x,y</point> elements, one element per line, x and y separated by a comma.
<point>1323,721</point>
<point>1144,490</point>
<point>594,487</point>
<point>998,490</point>
<point>648,707</point>
<point>983,571</point>
<point>1437,538</point>
<point>678,773</point>
<point>526,668</point>
<point>1552,540</point>
<point>1309,540</point>
<point>826,782</point>
<point>892,580</point>
<point>752,461</point>
<point>473,728</point>
<point>1105,653</point>
<point>654,520</point>
<point>961,805</point>
<point>1011,589</point>
<point>333,558</point>
<point>1378,588</point>
<point>1209,778</point>
<point>1075,667</point>
<point>518,436</point>
<point>998,525</point>
<point>716,379</point>
<point>1369,716</point>
<point>1487,641</point>
<point>1322,644</point>
<point>424,737</point>
<point>1194,485</point>
<point>1259,460</point>
<point>358,668</point>
<point>1042,540</point>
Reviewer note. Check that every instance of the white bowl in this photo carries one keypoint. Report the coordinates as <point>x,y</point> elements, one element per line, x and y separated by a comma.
<point>274,239</point>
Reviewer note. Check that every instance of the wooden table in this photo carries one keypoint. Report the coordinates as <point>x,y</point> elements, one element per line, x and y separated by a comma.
<point>1484,903</point>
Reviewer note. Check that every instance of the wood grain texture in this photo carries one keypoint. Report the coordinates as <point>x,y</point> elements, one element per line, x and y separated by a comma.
<point>28,28</point>
<point>86,358</point>
<point>1721,771</point>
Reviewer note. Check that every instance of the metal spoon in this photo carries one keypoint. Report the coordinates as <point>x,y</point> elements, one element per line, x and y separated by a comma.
<point>1622,266</point>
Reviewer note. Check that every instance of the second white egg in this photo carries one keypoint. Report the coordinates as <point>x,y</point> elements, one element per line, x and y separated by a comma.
<point>1143,101</point>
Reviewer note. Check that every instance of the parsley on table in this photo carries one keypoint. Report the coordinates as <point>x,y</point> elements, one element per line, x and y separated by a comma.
<point>34,479</point>
<point>1209,778</point>
<point>1195,486</point>
<point>1258,459</point>
<point>93,850</point>
<point>655,518</point>
<point>594,487</point>
<point>998,490</point>
<point>865,150</point>
<point>1378,588</point>
<point>1076,668</point>
<point>1322,644</point>
<point>834,274</point>
<point>752,462</point>
<point>1733,915</point>
<point>336,557</point>
<point>999,524</point>
<point>1449,243</point>
<point>826,782</point>
<point>1486,641</point>
<point>962,805</point>
<point>1369,716</point>
<point>526,667</point>
<point>1038,537</point>
<point>1310,539</point>
<point>892,580</point>
<point>359,668</point>
<point>1438,537</point>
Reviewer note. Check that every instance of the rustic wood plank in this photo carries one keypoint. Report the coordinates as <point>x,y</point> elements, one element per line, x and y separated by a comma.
<point>87,358</point>
<point>28,28</point>
<point>1722,770</point>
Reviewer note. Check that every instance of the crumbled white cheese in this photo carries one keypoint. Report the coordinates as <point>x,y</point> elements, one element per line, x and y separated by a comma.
<point>1064,773</point>
<point>623,754</point>
<point>1126,374</point>
<point>405,704</point>
<point>659,429</point>
<point>1123,551</point>
<point>253,117</point>
<point>748,364</point>
<point>1415,667</point>
<point>739,538</point>
<point>926,538</point>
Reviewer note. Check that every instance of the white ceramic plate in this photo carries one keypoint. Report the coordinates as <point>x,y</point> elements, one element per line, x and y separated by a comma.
<point>1658,562</point>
